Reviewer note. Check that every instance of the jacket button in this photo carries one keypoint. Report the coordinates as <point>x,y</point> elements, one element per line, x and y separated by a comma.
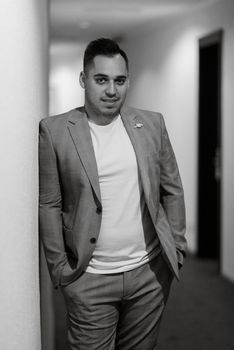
<point>93,240</point>
<point>98,210</point>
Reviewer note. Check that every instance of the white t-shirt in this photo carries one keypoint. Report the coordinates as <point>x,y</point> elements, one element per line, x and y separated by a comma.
<point>127,237</point>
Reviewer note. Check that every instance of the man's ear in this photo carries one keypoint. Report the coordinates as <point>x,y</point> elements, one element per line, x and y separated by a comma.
<point>82,79</point>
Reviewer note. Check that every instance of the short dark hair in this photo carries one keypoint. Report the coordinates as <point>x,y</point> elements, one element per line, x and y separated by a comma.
<point>104,47</point>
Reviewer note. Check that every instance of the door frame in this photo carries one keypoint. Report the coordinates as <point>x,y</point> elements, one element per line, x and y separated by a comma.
<point>204,42</point>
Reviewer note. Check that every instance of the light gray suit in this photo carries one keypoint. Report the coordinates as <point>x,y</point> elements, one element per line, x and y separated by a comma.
<point>70,201</point>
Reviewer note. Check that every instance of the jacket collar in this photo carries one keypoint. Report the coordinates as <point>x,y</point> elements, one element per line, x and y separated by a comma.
<point>137,132</point>
<point>79,130</point>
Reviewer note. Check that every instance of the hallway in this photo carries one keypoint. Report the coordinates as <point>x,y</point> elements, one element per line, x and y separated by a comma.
<point>199,315</point>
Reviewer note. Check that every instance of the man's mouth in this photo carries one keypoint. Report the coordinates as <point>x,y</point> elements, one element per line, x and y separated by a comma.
<point>110,100</point>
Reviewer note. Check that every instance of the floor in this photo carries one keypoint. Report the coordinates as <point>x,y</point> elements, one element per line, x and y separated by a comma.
<point>199,314</point>
<point>200,311</point>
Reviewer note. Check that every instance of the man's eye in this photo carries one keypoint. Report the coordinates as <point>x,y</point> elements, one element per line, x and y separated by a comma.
<point>120,81</point>
<point>100,81</point>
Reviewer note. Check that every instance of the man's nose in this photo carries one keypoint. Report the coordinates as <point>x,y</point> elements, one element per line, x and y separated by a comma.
<point>111,89</point>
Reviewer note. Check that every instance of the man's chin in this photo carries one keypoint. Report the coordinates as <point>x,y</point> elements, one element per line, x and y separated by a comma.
<point>110,112</point>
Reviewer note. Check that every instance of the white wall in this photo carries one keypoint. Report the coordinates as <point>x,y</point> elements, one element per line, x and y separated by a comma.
<point>164,74</point>
<point>65,66</point>
<point>23,87</point>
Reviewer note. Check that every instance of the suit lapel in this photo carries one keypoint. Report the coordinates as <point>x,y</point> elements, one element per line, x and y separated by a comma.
<point>79,131</point>
<point>136,132</point>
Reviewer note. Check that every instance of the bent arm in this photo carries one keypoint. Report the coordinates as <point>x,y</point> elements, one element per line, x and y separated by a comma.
<point>50,206</point>
<point>172,195</point>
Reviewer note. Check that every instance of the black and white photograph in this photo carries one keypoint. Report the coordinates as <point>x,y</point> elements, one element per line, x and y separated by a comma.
<point>117,186</point>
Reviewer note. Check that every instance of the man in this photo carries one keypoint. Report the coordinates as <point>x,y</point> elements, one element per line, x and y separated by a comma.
<point>112,217</point>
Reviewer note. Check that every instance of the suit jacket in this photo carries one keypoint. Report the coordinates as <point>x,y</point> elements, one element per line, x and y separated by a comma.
<point>70,203</point>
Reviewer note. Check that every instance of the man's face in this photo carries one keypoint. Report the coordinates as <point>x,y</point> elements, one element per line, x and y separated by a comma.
<point>105,83</point>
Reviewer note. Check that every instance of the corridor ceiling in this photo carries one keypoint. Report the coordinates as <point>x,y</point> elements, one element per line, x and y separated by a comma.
<point>86,19</point>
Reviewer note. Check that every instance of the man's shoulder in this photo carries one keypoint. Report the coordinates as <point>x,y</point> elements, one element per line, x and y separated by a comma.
<point>61,119</point>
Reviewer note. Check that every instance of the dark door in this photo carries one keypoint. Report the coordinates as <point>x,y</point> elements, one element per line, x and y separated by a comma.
<point>209,143</point>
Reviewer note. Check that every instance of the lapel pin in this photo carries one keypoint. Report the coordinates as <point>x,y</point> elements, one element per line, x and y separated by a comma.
<point>138,125</point>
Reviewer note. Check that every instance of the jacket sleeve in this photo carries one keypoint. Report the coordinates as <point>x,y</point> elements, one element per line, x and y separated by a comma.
<point>172,195</point>
<point>50,206</point>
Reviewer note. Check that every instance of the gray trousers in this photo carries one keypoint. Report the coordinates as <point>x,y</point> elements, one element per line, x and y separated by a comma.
<point>118,311</point>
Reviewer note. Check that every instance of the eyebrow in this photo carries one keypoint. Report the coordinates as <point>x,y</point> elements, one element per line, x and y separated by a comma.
<point>107,76</point>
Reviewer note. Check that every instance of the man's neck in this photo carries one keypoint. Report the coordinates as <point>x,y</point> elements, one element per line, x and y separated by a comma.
<point>101,119</point>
